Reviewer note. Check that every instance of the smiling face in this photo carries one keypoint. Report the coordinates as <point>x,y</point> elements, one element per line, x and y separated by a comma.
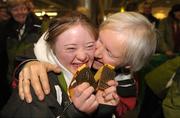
<point>110,48</point>
<point>19,13</point>
<point>75,47</point>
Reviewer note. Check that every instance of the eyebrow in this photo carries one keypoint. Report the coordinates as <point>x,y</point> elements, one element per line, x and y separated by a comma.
<point>70,44</point>
<point>77,44</point>
<point>90,42</point>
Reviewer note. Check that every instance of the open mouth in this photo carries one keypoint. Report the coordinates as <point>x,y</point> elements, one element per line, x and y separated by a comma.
<point>78,65</point>
<point>97,64</point>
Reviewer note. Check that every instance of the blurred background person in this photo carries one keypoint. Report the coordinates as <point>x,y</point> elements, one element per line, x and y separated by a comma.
<point>132,6</point>
<point>147,12</point>
<point>4,86</point>
<point>45,22</point>
<point>20,32</point>
<point>170,32</point>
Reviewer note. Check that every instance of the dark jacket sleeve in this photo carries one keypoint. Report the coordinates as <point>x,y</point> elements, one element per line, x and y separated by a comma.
<point>72,112</point>
<point>16,108</point>
<point>104,111</point>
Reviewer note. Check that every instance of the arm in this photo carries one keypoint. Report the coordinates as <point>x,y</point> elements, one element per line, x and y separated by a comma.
<point>108,93</point>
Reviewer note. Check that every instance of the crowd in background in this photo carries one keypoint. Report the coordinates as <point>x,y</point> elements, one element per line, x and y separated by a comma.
<point>20,28</point>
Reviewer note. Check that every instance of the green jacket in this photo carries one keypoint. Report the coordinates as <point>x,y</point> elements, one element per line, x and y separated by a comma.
<point>158,78</point>
<point>171,103</point>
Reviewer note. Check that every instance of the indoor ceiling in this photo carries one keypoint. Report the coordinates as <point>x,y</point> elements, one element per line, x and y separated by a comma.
<point>70,4</point>
<point>100,6</point>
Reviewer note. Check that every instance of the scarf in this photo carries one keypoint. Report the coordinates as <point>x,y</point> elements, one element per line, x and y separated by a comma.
<point>43,52</point>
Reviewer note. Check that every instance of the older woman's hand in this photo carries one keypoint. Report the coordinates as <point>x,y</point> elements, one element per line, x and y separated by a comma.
<point>108,96</point>
<point>35,73</point>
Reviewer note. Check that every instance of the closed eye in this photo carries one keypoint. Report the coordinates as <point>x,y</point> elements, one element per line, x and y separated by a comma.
<point>90,46</point>
<point>109,53</point>
<point>70,49</point>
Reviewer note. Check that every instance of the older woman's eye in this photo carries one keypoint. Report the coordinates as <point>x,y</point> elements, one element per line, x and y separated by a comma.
<point>110,54</point>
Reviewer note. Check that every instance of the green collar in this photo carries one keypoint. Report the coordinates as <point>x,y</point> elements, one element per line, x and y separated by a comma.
<point>62,82</point>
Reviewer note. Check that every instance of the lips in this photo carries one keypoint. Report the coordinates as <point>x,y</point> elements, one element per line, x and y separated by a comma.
<point>97,64</point>
<point>77,65</point>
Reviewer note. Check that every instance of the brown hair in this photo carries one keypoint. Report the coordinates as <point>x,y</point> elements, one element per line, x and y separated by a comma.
<point>13,3</point>
<point>63,23</point>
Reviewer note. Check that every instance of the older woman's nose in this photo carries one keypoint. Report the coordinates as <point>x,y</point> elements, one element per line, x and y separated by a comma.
<point>99,50</point>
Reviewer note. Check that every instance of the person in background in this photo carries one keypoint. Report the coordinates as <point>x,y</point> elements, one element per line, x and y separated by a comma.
<point>20,32</point>
<point>126,40</point>
<point>4,12</point>
<point>45,22</point>
<point>170,32</point>
<point>162,91</point>
<point>31,8</point>
<point>30,5</point>
<point>147,12</point>
<point>132,6</point>
<point>69,42</point>
<point>4,85</point>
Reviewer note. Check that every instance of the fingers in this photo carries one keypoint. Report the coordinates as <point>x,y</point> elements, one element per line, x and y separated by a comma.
<point>108,96</point>
<point>114,100</point>
<point>20,86</point>
<point>26,91</point>
<point>112,83</point>
<point>110,90</point>
<point>86,93</point>
<point>81,89</point>
<point>25,88</point>
<point>44,81</point>
<point>84,99</point>
<point>93,106</point>
<point>46,67</point>
<point>90,105</point>
<point>99,96</point>
<point>36,84</point>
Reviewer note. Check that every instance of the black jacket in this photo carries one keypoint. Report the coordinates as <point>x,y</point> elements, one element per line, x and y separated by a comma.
<point>49,108</point>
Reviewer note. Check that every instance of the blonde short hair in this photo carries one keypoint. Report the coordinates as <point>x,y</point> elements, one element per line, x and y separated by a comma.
<point>141,37</point>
